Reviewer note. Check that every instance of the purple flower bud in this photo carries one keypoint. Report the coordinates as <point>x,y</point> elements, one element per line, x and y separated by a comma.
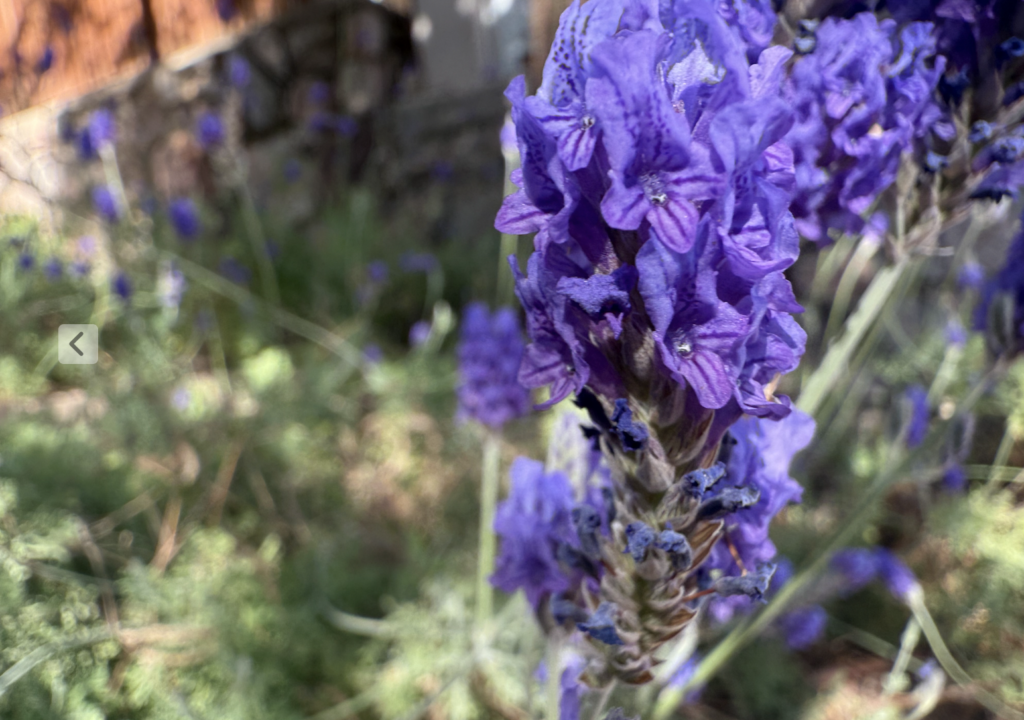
<point>121,286</point>
<point>53,269</point>
<point>802,627</point>
<point>703,479</point>
<point>235,271</point>
<point>753,585</point>
<point>102,128</point>
<point>46,61</point>
<point>587,521</point>
<point>601,625</point>
<point>209,130</point>
<point>895,575</point>
<point>677,547</point>
<point>489,352</point>
<point>419,333</point>
<point>239,71</point>
<point>954,478</point>
<point>728,501</point>
<point>639,537</point>
<point>917,428</point>
<point>105,203</point>
<point>631,434</point>
<point>26,261</point>
<point>857,566</point>
<point>184,218</point>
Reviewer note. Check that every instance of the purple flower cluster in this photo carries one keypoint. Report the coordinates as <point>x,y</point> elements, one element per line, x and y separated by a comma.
<point>489,352</point>
<point>859,566</point>
<point>655,179</point>
<point>863,97</point>
<point>759,457</point>
<point>539,524</point>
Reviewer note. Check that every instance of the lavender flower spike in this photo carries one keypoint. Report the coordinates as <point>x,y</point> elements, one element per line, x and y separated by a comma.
<point>490,350</point>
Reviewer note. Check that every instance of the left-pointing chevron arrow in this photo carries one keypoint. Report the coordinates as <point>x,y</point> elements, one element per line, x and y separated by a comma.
<point>75,347</point>
<point>77,344</point>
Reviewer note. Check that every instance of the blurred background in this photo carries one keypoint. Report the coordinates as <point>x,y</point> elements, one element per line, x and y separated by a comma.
<point>259,504</point>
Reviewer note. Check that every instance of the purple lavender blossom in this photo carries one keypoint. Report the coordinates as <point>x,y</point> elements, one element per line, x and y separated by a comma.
<point>863,98</point>
<point>971,275</point>
<point>760,459</point>
<point>571,689</point>
<point>917,426</point>
<point>53,269</point>
<point>121,286</point>
<point>419,333</point>
<point>105,203</point>
<point>894,574</point>
<point>235,271</point>
<point>802,627</point>
<point>856,566</point>
<point>377,272</point>
<point>225,9</point>
<point>46,60</point>
<point>184,218</point>
<point>532,523</point>
<point>683,675</point>
<point>100,130</point>
<point>239,72</point>
<point>418,262</point>
<point>954,478</point>
<point>26,261</point>
<point>209,130</point>
<point>490,349</point>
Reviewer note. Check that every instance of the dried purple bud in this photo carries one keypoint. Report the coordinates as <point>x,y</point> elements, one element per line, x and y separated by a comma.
<point>700,481</point>
<point>601,625</point>
<point>587,522</point>
<point>754,585</point>
<point>633,435</point>
<point>678,548</point>
<point>563,610</point>
<point>728,501</point>
<point>639,537</point>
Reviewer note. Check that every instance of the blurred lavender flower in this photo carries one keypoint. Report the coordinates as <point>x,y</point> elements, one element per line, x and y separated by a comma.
<point>239,71</point>
<point>53,269</point>
<point>917,399</point>
<point>683,675</point>
<point>418,262</point>
<point>105,203</point>
<point>490,349</point>
<point>377,272</point>
<point>419,333</point>
<point>894,574</point>
<point>863,97</point>
<point>26,261</point>
<point>181,398</point>
<point>292,170</point>
<point>86,245</point>
<point>1001,310</point>
<point>101,130</point>
<point>171,285</point>
<point>235,271</point>
<point>320,93</point>
<point>533,523</point>
<point>954,478</point>
<point>225,9</point>
<point>571,690</point>
<point>184,218</point>
<point>802,627</point>
<point>956,333</point>
<point>46,60</point>
<point>209,130</point>
<point>79,269</point>
<point>121,286</point>
<point>971,275</point>
<point>856,566</point>
<point>372,354</point>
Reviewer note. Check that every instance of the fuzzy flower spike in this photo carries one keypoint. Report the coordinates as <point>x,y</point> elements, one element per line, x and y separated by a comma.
<point>657,182</point>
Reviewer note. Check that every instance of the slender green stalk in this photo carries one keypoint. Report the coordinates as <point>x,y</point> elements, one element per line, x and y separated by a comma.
<point>835,362</point>
<point>254,229</point>
<point>40,655</point>
<point>847,284</point>
<point>1002,455</point>
<point>488,502</point>
<point>552,689</point>
<point>908,641</point>
<point>917,605</point>
<point>602,702</point>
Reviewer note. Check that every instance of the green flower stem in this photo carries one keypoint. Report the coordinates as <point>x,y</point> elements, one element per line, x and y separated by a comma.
<point>847,284</point>
<point>489,480</point>
<point>908,641</point>
<point>835,362</point>
<point>254,229</point>
<point>915,600</point>
<point>751,627</point>
<point>552,689</point>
